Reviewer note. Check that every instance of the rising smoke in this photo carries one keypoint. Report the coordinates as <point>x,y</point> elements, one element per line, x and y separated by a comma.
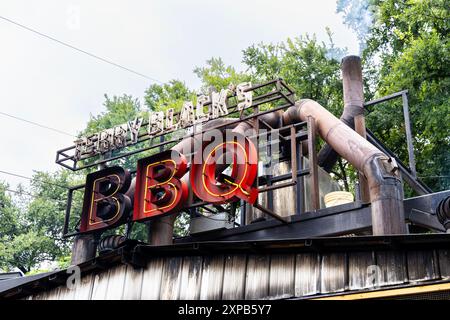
<point>358,16</point>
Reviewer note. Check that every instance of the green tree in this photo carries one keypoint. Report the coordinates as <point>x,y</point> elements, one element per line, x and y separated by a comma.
<point>169,95</point>
<point>219,76</point>
<point>30,232</point>
<point>26,251</point>
<point>409,46</point>
<point>310,67</point>
<point>397,23</point>
<point>46,210</point>
<point>119,110</point>
<point>9,215</point>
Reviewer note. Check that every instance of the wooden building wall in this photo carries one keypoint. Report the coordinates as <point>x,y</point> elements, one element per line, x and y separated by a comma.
<point>259,276</point>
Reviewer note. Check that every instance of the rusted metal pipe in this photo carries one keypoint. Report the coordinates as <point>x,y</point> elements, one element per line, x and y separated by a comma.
<point>353,116</point>
<point>380,170</point>
<point>352,85</point>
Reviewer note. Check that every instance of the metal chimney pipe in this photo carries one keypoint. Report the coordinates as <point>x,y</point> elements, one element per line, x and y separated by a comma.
<point>353,105</point>
<point>352,83</point>
<point>380,170</point>
<point>353,116</point>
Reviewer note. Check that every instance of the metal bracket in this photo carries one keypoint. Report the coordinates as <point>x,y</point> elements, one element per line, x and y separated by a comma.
<point>270,213</point>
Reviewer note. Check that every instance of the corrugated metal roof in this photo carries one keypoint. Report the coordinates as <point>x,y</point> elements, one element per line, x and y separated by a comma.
<point>16,283</point>
<point>10,275</point>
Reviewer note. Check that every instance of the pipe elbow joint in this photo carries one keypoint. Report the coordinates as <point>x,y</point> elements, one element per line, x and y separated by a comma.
<point>383,178</point>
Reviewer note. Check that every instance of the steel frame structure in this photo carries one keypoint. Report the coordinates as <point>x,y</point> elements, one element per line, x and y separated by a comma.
<point>339,220</point>
<point>408,174</point>
<point>290,135</point>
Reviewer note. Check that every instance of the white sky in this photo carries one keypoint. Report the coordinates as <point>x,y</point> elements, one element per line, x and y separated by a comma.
<point>45,82</point>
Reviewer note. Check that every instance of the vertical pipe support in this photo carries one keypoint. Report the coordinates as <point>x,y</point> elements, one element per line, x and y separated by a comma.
<point>409,139</point>
<point>364,192</point>
<point>294,166</point>
<point>313,169</point>
<point>352,85</point>
<point>301,182</point>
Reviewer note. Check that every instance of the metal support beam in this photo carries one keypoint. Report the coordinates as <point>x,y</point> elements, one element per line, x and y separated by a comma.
<point>412,181</point>
<point>270,213</point>
<point>421,210</point>
<point>314,172</point>
<point>384,99</point>
<point>360,128</point>
<point>409,139</point>
<point>300,198</point>
<point>339,220</point>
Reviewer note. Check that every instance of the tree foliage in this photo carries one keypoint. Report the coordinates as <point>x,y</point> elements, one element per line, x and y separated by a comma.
<point>310,67</point>
<point>169,95</point>
<point>30,232</point>
<point>119,109</point>
<point>409,46</point>
<point>216,75</point>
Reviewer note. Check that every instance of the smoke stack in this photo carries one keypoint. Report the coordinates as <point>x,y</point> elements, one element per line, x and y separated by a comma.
<point>352,116</point>
<point>353,105</point>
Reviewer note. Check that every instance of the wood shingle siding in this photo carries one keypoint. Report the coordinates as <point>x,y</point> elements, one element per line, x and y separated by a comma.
<point>275,269</point>
<point>258,276</point>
